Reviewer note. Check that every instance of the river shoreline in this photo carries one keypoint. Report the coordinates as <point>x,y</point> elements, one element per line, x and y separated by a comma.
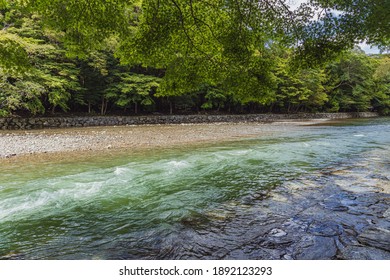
<point>16,143</point>
<point>100,139</point>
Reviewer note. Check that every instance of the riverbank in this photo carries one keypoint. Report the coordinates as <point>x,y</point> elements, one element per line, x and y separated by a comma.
<point>93,139</point>
<point>58,140</point>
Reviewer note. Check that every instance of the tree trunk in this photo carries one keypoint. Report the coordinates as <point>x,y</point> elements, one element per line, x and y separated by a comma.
<point>271,108</point>
<point>170,107</point>
<point>136,108</point>
<point>103,110</point>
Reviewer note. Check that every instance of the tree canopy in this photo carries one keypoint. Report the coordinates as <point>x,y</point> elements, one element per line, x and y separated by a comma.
<point>213,54</point>
<point>233,29</point>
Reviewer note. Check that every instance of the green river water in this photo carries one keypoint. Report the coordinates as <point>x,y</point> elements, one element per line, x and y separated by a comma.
<point>135,205</point>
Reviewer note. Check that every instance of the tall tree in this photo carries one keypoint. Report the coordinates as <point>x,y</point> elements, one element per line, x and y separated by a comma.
<point>351,83</point>
<point>381,99</point>
<point>298,89</point>
<point>50,79</point>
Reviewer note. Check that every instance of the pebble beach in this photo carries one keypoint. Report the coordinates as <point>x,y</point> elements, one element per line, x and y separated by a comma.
<point>32,142</point>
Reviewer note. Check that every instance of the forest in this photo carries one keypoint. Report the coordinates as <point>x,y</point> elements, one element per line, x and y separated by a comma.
<point>151,57</point>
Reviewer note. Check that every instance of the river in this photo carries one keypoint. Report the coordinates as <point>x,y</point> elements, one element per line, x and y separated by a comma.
<point>228,200</point>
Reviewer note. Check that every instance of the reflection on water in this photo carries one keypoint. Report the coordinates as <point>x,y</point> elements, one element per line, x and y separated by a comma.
<point>141,205</point>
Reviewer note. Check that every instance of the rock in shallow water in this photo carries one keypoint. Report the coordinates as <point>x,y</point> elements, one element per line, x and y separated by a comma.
<point>316,248</point>
<point>376,237</point>
<point>327,229</point>
<point>363,253</point>
<point>276,232</point>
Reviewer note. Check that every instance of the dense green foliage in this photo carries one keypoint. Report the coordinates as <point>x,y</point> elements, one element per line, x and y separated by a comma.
<point>127,57</point>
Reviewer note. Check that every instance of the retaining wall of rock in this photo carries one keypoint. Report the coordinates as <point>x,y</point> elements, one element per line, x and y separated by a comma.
<point>60,122</point>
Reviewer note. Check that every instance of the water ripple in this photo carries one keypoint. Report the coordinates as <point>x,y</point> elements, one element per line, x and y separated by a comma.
<point>152,206</point>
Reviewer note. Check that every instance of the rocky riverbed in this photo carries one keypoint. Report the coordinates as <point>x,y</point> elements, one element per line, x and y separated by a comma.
<point>339,213</point>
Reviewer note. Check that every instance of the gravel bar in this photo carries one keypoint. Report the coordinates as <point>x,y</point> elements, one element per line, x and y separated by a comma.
<point>30,142</point>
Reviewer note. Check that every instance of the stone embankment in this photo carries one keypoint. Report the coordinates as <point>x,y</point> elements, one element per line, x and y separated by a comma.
<point>62,122</point>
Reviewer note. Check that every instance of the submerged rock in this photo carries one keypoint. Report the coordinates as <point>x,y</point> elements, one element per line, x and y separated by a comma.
<point>316,248</point>
<point>277,232</point>
<point>12,256</point>
<point>376,237</point>
<point>363,253</point>
<point>327,229</point>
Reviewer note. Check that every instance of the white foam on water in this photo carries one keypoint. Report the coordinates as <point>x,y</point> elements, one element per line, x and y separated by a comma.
<point>25,205</point>
<point>86,190</point>
<point>120,170</point>
<point>178,164</point>
<point>12,207</point>
<point>359,135</point>
<point>239,152</point>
